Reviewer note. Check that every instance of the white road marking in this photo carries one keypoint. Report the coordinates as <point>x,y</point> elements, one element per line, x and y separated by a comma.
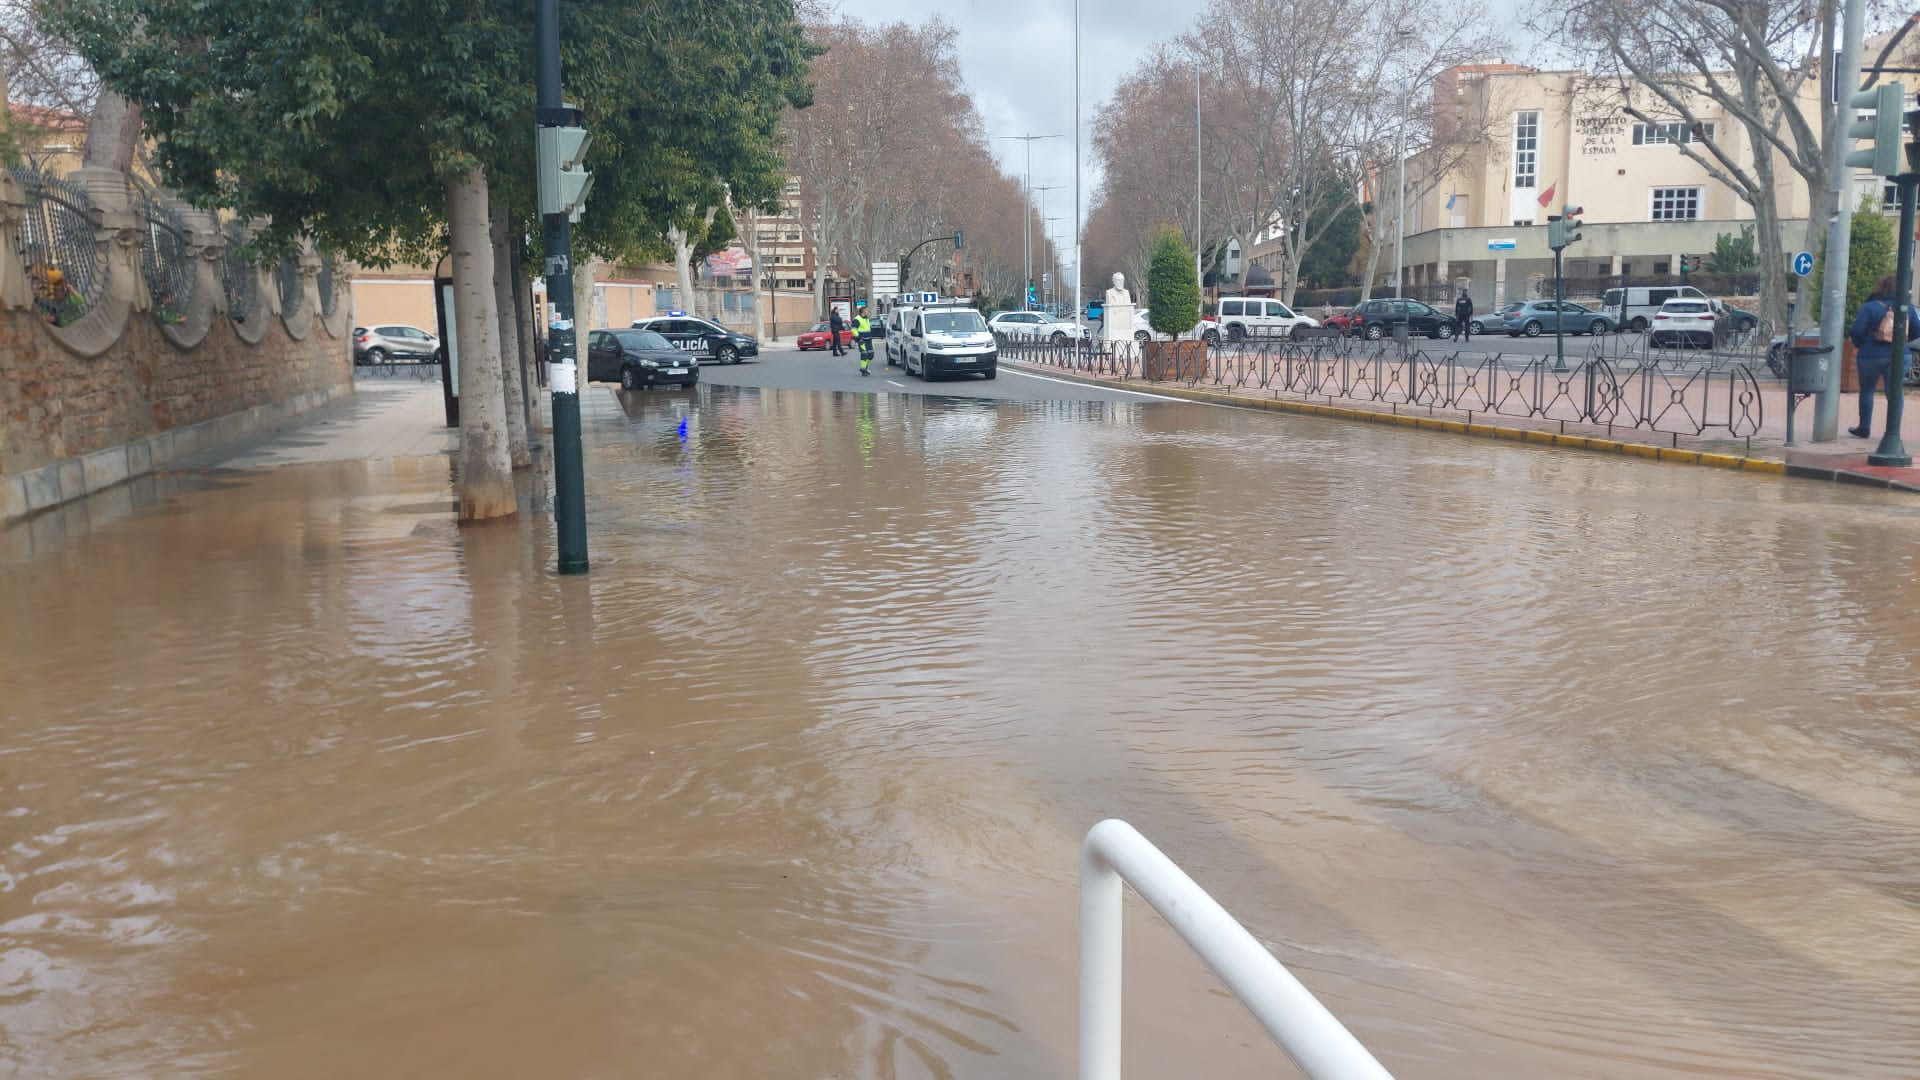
<point>901,385</point>
<point>1109,389</point>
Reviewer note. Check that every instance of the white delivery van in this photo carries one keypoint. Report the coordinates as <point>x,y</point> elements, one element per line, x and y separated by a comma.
<point>1643,302</point>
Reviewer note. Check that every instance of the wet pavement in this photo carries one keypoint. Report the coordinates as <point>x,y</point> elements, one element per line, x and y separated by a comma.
<point>1531,763</point>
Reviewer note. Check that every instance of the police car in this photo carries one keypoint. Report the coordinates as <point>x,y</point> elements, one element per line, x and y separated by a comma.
<point>702,339</point>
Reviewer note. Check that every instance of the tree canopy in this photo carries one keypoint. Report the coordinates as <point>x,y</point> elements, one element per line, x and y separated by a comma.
<point>1173,289</point>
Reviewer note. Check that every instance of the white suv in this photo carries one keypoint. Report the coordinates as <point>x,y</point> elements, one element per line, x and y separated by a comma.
<point>1034,324</point>
<point>1242,317</point>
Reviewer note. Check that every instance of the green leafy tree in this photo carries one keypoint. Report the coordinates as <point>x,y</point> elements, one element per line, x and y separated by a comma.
<point>1173,290</point>
<point>1328,263</point>
<point>1733,253</point>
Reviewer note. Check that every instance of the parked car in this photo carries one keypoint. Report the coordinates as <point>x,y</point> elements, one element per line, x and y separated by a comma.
<point>821,337</point>
<point>1699,323</point>
<point>1635,306</point>
<point>1375,319</point>
<point>894,352</point>
<point>1739,319</point>
<point>1034,324</point>
<point>638,359</point>
<point>1342,320</point>
<point>1143,330</point>
<point>705,340</point>
<point>1496,319</point>
<point>393,345</point>
<point>1536,317</point>
<point>1240,318</point>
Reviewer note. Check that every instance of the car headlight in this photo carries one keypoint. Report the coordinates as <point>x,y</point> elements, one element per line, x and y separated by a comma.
<point>649,363</point>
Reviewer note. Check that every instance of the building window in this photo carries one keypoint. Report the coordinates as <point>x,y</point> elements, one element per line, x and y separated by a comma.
<point>1521,223</point>
<point>1526,149</point>
<point>1675,132</point>
<point>1676,204</point>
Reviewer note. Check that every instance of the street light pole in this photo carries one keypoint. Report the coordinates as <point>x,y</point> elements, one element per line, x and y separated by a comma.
<point>569,470</point>
<point>1892,451</point>
<point>1026,188</point>
<point>1400,217</point>
<point>1076,161</point>
<point>1833,306</point>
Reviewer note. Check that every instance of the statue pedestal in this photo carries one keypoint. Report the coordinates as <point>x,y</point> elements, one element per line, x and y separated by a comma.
<point>1116,325</point>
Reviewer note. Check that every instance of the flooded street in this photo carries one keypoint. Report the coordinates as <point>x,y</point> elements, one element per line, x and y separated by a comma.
<point>1530,763</point>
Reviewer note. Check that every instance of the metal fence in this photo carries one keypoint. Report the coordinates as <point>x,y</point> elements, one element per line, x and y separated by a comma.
<point>241,282</point>
<point>286,278</point>
<point>63,265</point>
<point>1645,390</point>
<point>164,261</point>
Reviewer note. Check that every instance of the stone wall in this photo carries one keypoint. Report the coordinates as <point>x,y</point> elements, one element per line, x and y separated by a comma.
<point>132,384</point>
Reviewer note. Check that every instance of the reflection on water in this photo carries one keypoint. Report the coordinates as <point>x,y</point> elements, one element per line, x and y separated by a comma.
<point>1531,764</point>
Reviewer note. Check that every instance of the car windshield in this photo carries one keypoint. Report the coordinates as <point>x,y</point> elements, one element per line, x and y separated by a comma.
<point>821,328</point>
<point>642,339</point>
<point>955,322</point>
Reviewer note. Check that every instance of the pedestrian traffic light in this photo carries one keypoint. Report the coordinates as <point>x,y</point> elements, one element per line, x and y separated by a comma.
<point>563,182</point>
<point>959,239</point>
<point>1033,295</point>
<point>1913,140</point>
<point>1877,118</point>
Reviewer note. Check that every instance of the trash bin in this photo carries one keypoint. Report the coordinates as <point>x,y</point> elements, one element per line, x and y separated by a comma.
<point>1808,367</point>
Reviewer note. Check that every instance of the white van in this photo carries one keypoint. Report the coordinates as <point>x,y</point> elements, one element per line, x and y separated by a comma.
<point>1250,316</point>
<point>1643,303</point>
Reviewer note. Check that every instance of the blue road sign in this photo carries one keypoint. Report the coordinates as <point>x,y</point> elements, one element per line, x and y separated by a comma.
<point>1803,263</point>
<point>1503,244</point>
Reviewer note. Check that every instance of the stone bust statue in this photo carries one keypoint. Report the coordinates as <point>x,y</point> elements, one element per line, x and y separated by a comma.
<point>1119,294</point>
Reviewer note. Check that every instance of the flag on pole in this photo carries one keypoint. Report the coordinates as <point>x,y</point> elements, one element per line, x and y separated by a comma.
<point>1452,197</point>
<point>1546,196</point>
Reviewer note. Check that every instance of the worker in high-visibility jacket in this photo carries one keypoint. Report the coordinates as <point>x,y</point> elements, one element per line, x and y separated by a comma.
<point>863,333</point>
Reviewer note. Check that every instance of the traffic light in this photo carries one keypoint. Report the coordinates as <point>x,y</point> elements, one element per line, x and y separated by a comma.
<point>1913,140</point>
<point>1570,224</point>
<point>564,183</point>
<point>1556,232</point>
<point>959,239</point>
<point>1882,106</point>
<point>1033,295</point>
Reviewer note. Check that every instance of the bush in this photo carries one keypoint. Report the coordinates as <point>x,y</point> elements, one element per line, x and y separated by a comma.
<point>1173,289</point>
<point>1734,254</point>
<point>1870,256</point>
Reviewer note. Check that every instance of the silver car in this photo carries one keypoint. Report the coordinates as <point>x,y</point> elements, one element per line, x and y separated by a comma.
<point>394,344</point>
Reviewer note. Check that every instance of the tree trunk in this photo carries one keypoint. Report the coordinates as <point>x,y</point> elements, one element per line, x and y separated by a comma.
<point>517,449</point>
<point>1373,256</point>
<point>113,132</point>
<point>486,469</point>
<point>683,268</point>
<point>1767,241</point>
<point>523,333</point>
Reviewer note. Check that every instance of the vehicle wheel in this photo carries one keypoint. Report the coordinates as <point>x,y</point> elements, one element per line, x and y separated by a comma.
<point>1441,332</point>
<point>1236,333</point>
<point>1297,332</point>
<point>991,374</point>
<point>1638,325</point>
<point>1597,327</point>
<point>1373,332</point>
<point>727,355</point>
<point>376,355</point>
<point>1533,328</point>
<point>1212,338</point>
<point>1476,327</point>
<point>628,379</point>
<point>1058,339</point>
<point>1746,325</point>
<point>1142,336</point>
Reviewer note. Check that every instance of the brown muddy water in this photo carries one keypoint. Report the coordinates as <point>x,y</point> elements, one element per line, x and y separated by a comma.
<point>1531,764</point>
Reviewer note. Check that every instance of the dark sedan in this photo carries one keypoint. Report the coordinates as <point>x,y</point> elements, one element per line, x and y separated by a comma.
<point>638,359</point>
<point>1375,319</point>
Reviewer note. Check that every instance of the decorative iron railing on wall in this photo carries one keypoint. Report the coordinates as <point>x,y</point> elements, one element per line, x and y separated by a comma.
<point>63,263</point>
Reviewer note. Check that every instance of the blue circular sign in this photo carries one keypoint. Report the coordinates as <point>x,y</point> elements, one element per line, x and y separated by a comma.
<point>1803,263</point>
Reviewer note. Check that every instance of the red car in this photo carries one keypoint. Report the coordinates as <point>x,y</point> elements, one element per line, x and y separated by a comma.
<point>821,337</point>
<point>1342,321</point>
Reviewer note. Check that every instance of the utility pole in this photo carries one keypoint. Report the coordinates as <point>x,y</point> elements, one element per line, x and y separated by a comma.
<point>1076,162</point>
<point>1199,271</point>
<point>563,186</point>
<point>1027,188</point>
<point>1891,451</point>
<point>1400,216</point>
<point>1833,305</point>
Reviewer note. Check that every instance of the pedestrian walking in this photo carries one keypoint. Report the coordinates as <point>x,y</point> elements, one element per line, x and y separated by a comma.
<point>835,327</point>
<point>1463,316</point>
<point>1872,335</point>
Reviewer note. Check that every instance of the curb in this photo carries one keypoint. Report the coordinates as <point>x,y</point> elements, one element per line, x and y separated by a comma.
<point>1590,443</point>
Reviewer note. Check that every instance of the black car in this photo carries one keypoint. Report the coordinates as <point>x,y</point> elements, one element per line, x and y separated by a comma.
<point>1376,319</point>
<point>705,340</point>
<point>638,359</point>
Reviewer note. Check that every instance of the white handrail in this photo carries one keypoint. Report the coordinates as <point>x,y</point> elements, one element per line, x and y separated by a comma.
<point>1114,850</point>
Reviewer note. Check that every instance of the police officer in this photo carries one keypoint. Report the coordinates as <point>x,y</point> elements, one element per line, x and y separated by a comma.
<point>863,333</point>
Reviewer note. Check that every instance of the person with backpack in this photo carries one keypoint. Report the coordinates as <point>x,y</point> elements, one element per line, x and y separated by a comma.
<point>1872,335</point>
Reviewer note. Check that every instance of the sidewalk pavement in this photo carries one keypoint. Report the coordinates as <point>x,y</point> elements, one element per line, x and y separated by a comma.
<point>1844,460</point>
<point>384,419</point>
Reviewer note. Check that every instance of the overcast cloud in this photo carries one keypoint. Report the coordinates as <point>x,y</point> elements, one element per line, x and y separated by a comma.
<point>1017,59</point>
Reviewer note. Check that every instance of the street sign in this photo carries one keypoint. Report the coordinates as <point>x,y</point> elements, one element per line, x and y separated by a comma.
<point>1803,263</point>
<point>1507,244</point>
<point>886,278</point>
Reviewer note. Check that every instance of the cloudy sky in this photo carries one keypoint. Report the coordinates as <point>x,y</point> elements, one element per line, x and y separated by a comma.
<point>1017,58</point>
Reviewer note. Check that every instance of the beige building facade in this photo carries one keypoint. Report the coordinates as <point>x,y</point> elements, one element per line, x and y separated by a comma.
<point>1477,214</point>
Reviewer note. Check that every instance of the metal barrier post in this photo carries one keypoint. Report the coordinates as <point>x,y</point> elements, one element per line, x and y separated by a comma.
<point>1316,1041</point>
